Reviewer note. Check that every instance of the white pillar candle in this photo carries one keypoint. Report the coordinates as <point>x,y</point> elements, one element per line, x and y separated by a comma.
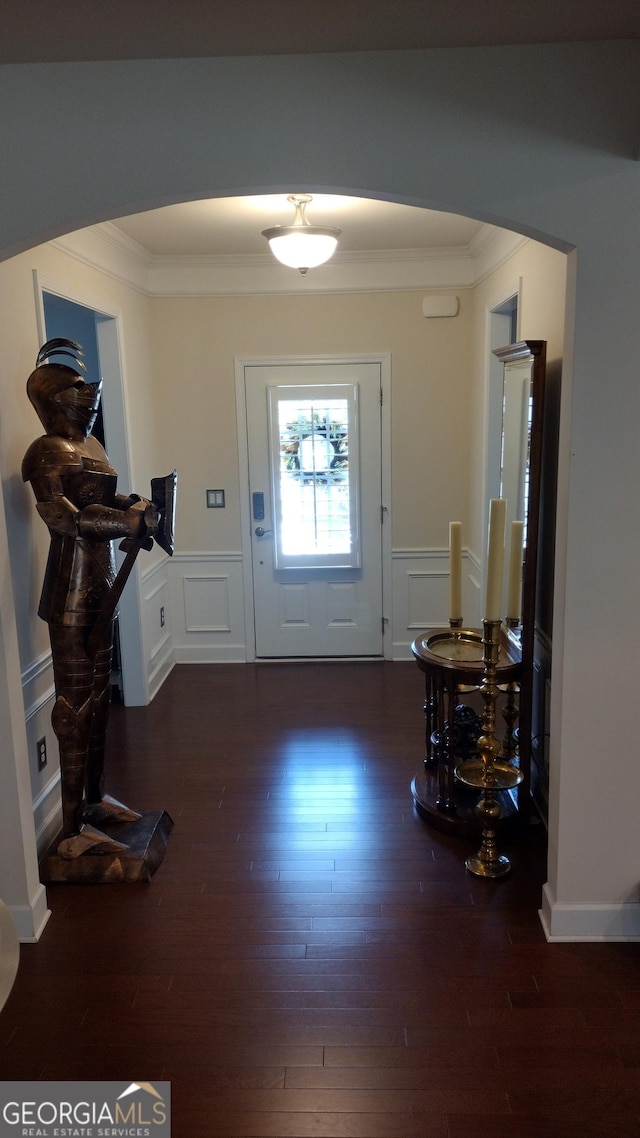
<point>495,558</point>
<point>455,570</point>
<point>514,593</point>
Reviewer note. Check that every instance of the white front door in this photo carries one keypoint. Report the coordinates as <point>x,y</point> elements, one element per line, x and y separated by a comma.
<point>314,454</point>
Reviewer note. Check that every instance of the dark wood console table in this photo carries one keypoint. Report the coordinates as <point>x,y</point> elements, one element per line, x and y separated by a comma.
<point>451,660</point>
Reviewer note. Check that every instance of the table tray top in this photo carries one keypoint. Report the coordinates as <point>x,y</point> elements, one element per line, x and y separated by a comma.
<point>460,650</point>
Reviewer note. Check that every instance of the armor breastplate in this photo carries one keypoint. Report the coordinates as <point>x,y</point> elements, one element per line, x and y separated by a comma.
<point>90,486</point>
<point>80,572</point>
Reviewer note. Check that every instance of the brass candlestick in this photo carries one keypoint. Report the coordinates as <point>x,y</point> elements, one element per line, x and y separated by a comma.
<point>488,773</point>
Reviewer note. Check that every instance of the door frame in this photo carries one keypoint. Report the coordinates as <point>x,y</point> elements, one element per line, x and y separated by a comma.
<point>498,333</point>
<point>384,361</point>
<point>135,682</point>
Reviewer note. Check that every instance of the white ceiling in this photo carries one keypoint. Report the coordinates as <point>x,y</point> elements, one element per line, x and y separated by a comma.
<point>229,227</point>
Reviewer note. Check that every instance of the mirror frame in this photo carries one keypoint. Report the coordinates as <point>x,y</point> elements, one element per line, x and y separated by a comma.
<point>536,352</point>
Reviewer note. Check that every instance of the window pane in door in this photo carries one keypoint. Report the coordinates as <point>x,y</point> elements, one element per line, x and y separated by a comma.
<point>314,474</point>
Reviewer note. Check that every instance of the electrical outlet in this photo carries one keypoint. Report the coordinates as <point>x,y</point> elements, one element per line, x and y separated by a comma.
<point>41,747</point>
<point>161,616</point>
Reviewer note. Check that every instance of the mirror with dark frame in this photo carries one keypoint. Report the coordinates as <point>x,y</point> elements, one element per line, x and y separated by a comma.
<point>437,797</point>
<point>524,369</point>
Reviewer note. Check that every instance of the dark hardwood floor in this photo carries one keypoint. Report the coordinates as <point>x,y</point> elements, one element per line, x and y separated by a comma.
<point>312,959</point>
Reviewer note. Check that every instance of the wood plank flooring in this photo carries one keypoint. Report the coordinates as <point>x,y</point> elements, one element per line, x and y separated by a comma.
<point>312,960</point>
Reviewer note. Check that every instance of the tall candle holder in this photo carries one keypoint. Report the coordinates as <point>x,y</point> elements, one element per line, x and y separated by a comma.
<point>488,773</point>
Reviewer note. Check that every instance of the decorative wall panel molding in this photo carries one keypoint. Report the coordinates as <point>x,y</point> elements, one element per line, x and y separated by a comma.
<point>206,603</point>
<point>47,811</point>
<point>207,607</point>
<point>38,693</point>
<point>37,685</point>
<point>156,618</point>
<point>420,591</point>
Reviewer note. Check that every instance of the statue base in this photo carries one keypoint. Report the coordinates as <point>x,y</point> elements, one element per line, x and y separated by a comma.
<point>146,841</point>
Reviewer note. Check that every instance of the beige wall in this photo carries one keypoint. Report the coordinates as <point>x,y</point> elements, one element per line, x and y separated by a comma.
<point>194,342</point>
<point>438,389</point>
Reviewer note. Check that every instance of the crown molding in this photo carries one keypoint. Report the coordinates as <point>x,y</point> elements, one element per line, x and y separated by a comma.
<point>106,248</point>
<point>345,272</point>
<point>491,247</point>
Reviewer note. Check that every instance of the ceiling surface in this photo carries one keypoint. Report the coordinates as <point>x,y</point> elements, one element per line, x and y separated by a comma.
<point>231,227</point>
<point>42,30</point>
<point>71,30</point>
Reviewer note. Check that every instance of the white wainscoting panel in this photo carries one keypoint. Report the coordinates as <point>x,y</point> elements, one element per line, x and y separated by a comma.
<point>420,591</point>
<point>38,692</point>
<point>157,623</point>
<point>207,608</point>
<point>206,603</point>
<point>47,809</point>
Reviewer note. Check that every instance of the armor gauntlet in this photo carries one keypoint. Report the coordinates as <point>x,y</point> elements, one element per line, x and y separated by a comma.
<point>137,524</point>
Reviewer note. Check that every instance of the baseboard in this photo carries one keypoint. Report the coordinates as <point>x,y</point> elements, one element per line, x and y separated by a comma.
<point>211,654</point>
<point>30,920</point>
<point>160,670</point>
<point>401,650</point>
<point>577,922</point>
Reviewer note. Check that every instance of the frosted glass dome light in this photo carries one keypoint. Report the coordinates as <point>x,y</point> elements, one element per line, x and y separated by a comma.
<point>302,246</point>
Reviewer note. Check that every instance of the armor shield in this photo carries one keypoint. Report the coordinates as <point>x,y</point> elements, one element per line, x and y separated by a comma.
<point>163,495</point>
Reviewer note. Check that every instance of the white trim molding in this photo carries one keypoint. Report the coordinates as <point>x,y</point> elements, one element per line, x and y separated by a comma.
<point>30,920</point>
<point>420,587</point>
<point>156,624</point>
<point>47,811</point>
<point>583,922</point>
<point>107,248</point>
<point>207,607</point>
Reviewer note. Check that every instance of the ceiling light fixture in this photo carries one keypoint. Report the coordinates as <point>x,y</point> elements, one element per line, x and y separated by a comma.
<point>301,245</point>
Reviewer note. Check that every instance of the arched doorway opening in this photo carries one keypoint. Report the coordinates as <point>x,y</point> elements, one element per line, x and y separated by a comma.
<point>133,395</point>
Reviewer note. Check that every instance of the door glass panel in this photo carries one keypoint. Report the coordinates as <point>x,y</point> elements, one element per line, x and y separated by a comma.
<point>314,474</point>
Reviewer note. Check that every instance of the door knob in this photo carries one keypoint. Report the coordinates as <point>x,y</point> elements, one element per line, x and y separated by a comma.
<point>260,531</point>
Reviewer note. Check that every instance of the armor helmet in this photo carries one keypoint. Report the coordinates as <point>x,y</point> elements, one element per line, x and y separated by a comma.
<point>64,402</point>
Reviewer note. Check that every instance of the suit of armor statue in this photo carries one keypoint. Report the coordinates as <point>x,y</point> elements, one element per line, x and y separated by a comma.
<point>75,489</point>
